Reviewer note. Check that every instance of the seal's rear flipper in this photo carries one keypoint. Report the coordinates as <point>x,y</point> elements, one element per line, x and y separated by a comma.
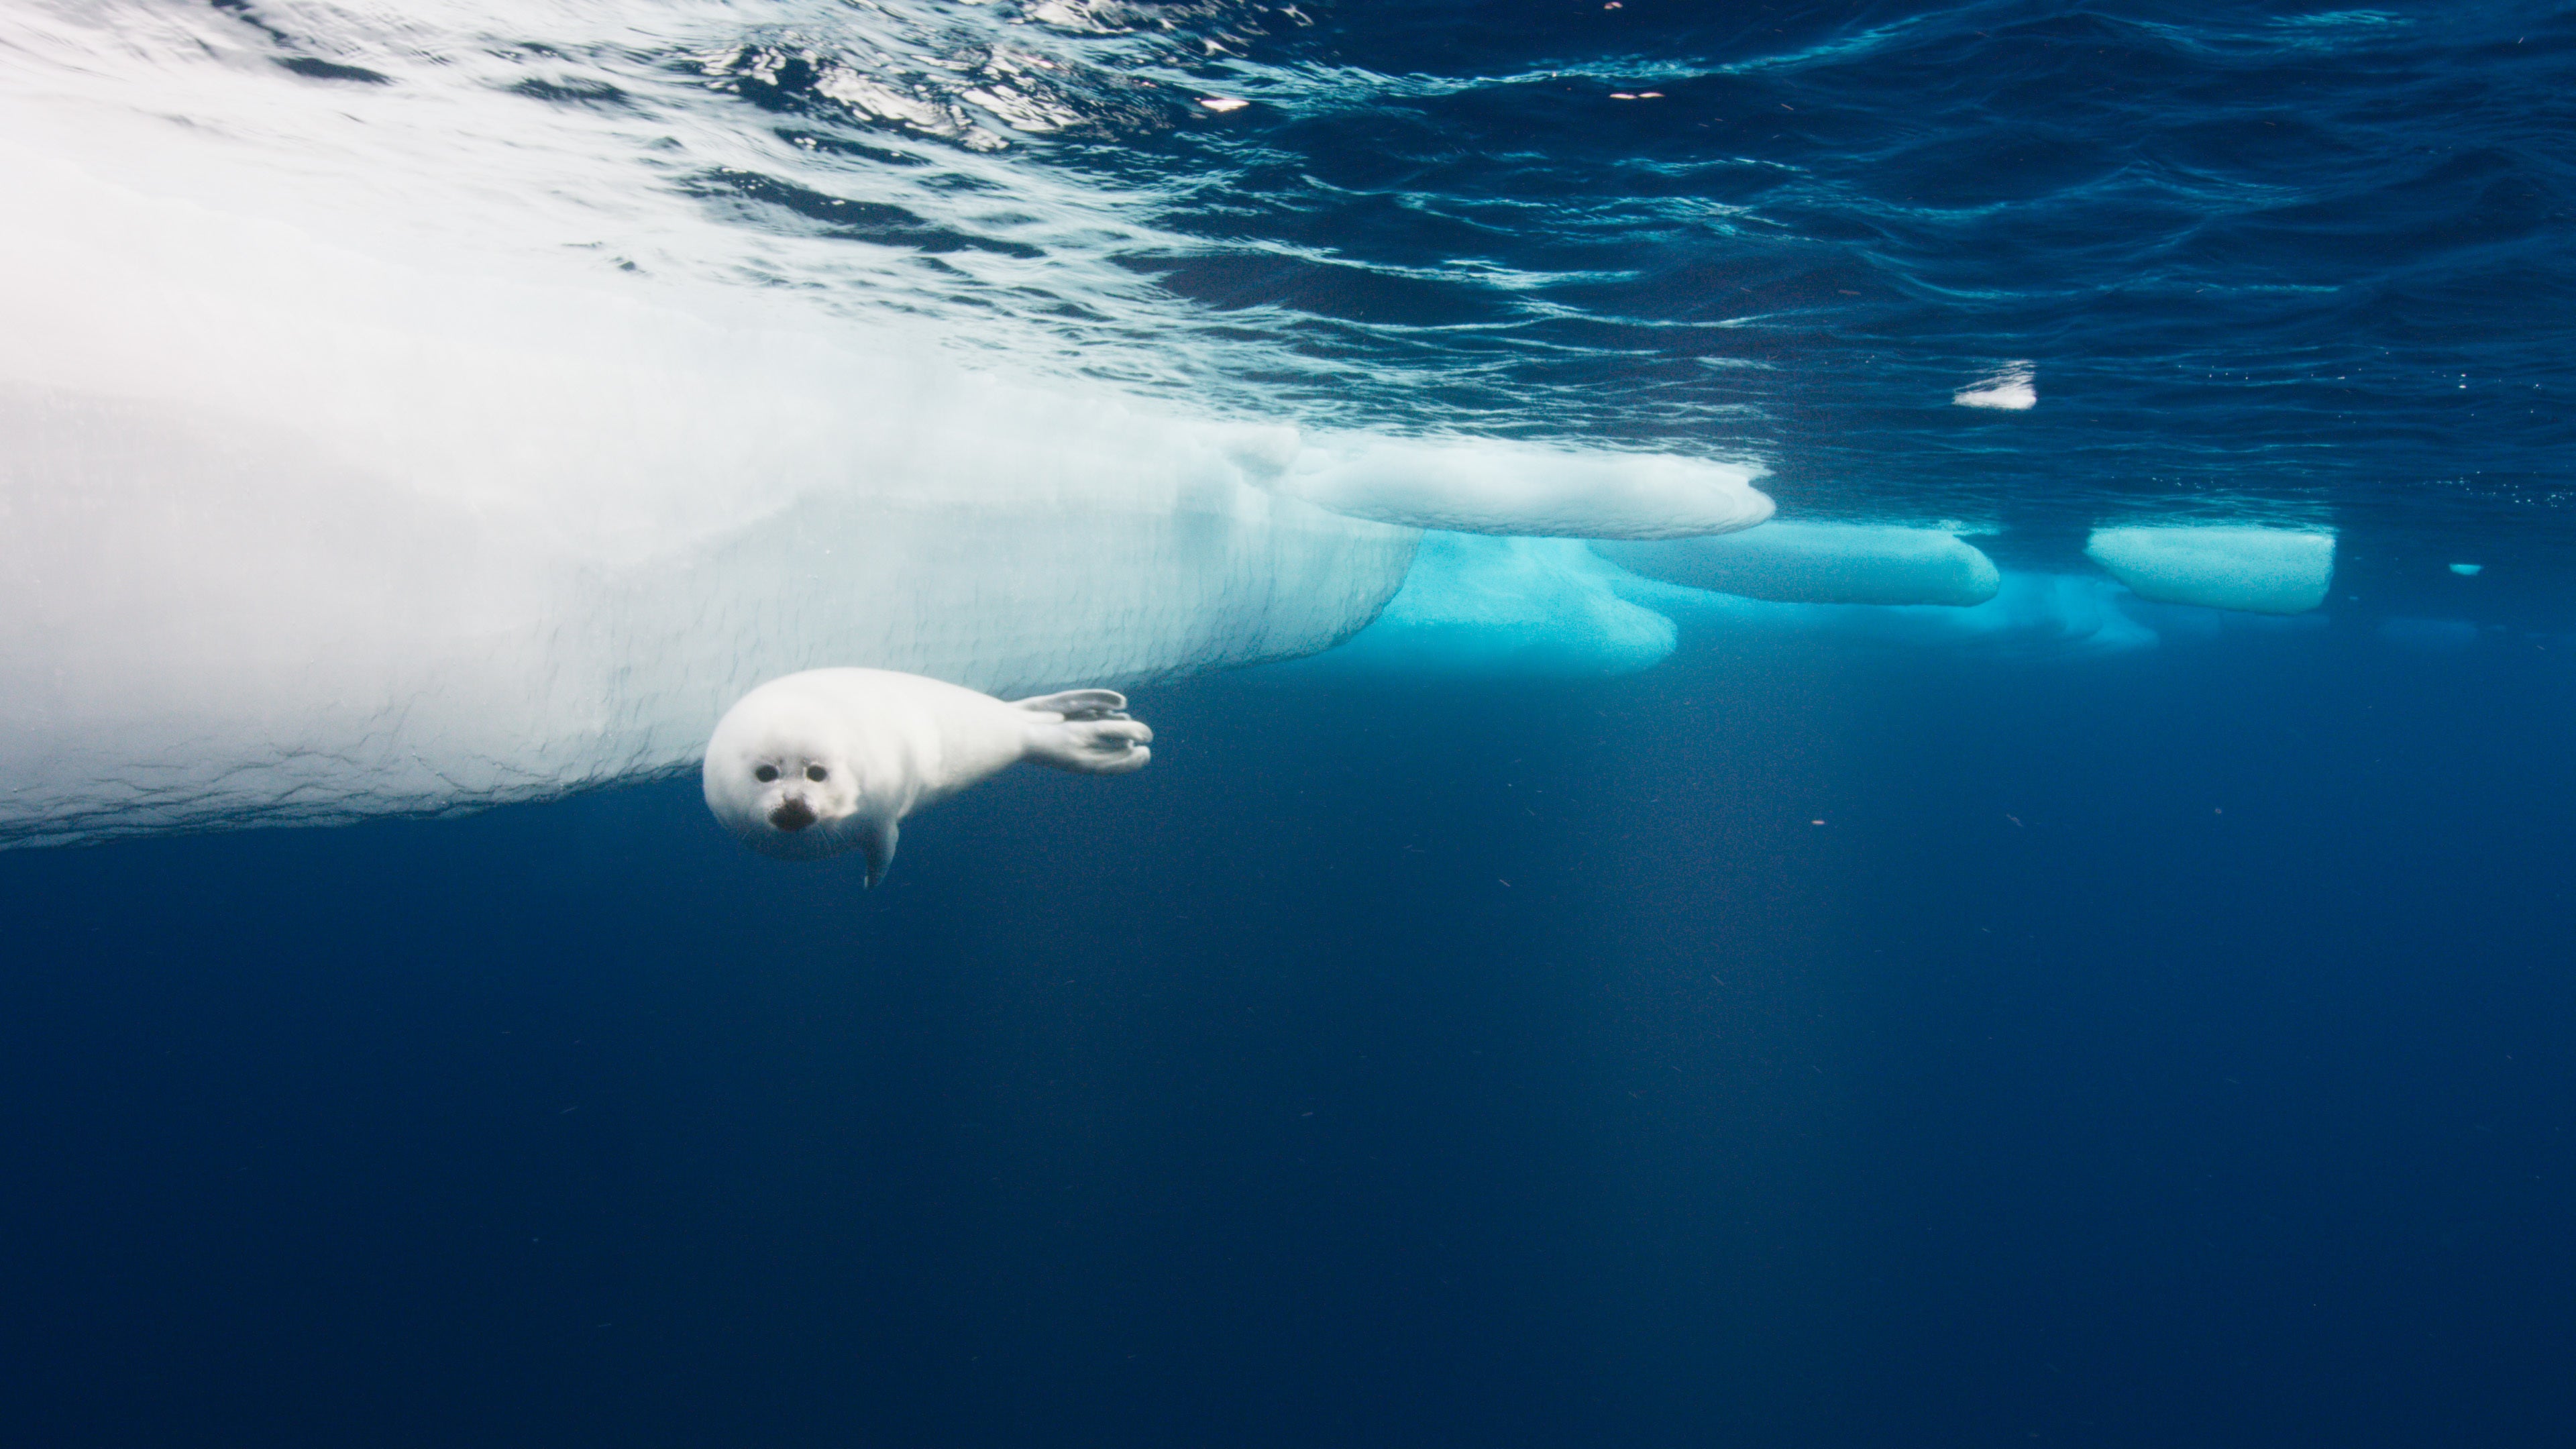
<point>1092,746</point>
<point>1078,704</point>
<point>878,841</point>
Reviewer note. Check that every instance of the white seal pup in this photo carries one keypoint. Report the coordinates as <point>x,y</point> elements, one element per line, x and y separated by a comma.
<point>829,760</point>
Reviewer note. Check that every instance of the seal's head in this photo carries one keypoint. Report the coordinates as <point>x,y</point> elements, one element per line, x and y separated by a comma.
<point>779,777</point>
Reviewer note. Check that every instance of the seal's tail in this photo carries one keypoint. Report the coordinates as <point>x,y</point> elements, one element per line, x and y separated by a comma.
<point>1086,730</point>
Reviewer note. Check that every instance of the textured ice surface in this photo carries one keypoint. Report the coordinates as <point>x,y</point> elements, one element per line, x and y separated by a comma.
<point>1820,563</point>
<point>1513,488</point>
<point>1477,606</point>
<point>2258,570</point>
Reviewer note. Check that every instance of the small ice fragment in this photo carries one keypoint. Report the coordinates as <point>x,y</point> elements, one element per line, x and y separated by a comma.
<point>2467,571</point>
<point>1621,96</point>
<point>2008,388</point>
<point>1222,104</point>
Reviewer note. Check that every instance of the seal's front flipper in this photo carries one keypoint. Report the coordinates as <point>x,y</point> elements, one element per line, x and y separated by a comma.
<point>1078,704</point>
<point>877,839</point>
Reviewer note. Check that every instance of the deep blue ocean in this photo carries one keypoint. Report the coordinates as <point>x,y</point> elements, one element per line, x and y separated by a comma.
<point>1803,1042</point>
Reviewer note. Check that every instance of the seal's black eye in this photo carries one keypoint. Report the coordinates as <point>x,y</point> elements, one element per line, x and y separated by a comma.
<point>765,773</point>
<point>816,772</point>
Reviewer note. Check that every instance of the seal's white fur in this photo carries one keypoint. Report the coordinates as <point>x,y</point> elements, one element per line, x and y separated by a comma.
<point>848,753</point>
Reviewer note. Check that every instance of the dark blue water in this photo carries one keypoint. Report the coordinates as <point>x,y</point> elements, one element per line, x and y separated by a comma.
<point>1796,1046</point>
<point>2159,1056</point>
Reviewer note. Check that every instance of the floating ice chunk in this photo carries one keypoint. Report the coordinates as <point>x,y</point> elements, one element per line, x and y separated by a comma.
<point>1820,563</point>
<point>2258,570</point>
<point>2468,570</point>
<point>1517,488</point>
<point>1479,606</point>
<point>2009,388</point>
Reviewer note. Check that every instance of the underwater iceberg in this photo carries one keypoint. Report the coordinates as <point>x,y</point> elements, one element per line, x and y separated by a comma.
<point>2252,569</point>
<point>298,534</point>
<point>1820,563</point>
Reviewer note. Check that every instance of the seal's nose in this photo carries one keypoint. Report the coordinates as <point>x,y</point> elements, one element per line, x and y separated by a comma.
<point>793,816</point>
